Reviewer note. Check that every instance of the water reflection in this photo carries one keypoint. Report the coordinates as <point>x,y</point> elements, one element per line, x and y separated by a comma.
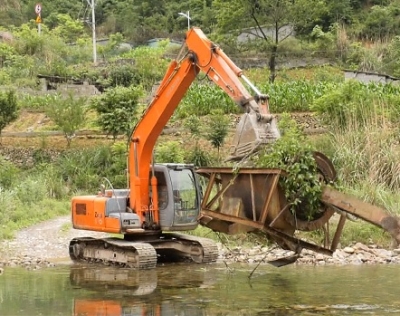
<point>206,290</point>
<point>129,292</point>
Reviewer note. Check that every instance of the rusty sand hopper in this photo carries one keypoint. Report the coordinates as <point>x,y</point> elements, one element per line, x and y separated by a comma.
<point>251,200</point>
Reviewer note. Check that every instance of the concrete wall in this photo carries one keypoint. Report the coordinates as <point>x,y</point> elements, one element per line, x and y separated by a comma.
<point>254,33</point>
<point>367,77</point>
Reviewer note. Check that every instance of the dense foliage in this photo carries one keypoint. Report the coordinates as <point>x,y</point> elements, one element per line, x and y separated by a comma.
<point>141,20</point>
<point>360,34</point>
<point>8,108</point>
<point>294,154</point>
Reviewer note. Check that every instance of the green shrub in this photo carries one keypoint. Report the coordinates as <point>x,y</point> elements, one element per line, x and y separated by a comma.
<point>30,190</point>
<point>8,174</point>
<point>123,75</point>
<point>85,169</point>
<point>294,154</point>
<point>117,109</point>
<point>202,99</point>
<point>170,151</point>
<point>199,157</point>
<point>8,108</point>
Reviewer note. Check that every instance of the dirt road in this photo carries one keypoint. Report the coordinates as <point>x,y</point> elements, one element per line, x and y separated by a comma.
<point>48,240</point>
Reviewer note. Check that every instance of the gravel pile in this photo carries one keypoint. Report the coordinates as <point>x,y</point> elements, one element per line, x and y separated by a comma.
<point>355,255</point>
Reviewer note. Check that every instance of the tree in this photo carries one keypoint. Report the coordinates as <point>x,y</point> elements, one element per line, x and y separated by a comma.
<point>8,109</point>
<point>69,29</point>
<point>218,129</point>
<point>263,19</point>
<point>196,155</point>
<point>68,114</point>
<point>117,109</point>
<point>381,22</point>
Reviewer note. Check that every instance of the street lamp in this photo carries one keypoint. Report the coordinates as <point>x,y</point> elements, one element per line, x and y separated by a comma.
<point>186,15</point>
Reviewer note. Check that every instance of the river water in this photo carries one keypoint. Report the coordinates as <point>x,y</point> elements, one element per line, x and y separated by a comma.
<point>201,290</point>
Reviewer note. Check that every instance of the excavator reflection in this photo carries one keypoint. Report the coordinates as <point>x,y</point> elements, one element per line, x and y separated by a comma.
<point>133,292</point>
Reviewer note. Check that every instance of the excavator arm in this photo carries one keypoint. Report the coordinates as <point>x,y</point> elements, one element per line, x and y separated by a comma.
<point>256,127</point>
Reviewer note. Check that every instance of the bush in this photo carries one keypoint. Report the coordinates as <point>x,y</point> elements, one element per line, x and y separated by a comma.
<point>8,174</point>
<point>294,154</point>
<point>8,108</point>
<point>85,169</point>
<point>170,151</point>
<point>117,109</point>
<point>199,157</point>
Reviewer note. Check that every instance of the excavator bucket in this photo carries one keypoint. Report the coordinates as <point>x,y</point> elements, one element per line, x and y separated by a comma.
<point>281,262</point>
<point>253,131</point>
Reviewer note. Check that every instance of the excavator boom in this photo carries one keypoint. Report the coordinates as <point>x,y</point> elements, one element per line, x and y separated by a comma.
<point>256,127</point>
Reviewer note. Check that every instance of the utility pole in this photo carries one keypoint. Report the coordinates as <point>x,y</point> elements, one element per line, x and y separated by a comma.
<point>187,16</point>
<point>92,6</point>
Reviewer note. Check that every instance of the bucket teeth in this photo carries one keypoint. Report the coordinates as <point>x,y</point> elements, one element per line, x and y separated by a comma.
<point>252,133</point>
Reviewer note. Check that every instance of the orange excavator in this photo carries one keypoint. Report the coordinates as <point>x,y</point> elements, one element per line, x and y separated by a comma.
<point>167,197</point>
<point>163,199</point>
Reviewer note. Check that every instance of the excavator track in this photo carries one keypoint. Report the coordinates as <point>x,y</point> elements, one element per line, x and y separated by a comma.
<point>130,254</point>
<point>205,250</point>
<point>140,254</point>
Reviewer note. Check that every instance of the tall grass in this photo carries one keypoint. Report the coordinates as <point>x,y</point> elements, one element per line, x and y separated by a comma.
<point>27,203</point>
<point>30,196</point>
<point>368,153</point>
<point>202,99</point>
<point>364,139</point>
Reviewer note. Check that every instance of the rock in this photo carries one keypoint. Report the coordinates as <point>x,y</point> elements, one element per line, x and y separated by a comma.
<point>396,251</point>
<point>253,252</point>
<point>349,250</point>
<point>361,247</point>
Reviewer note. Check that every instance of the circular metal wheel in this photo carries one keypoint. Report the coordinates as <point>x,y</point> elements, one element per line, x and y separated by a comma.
<point>326,170</point>
<point>326,174</point>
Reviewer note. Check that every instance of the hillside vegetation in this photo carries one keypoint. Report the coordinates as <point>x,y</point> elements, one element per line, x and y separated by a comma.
<point>359,34</point>
<point>362,138</point>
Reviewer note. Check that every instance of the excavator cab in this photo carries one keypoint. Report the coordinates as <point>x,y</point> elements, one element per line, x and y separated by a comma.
<point>178,196</point>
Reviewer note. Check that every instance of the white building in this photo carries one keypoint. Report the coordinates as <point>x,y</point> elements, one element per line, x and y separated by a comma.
<point>255,33</point>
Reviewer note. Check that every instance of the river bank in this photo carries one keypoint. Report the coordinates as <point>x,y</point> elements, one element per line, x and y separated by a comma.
<point>46,245</point>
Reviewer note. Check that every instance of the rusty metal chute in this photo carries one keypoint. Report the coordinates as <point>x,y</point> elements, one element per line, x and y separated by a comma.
<point>249,200</point>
